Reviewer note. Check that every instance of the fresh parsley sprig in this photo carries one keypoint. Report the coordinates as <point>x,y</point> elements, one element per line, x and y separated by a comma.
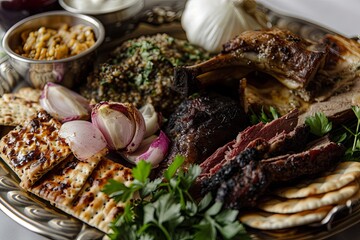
<point>262,116</point>
<point>319,124</point>
<point>164,209</point>
<point>351,137</point>
<point>348,134</point>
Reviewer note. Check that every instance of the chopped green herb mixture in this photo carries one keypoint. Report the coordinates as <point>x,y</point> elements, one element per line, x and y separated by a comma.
<point>165,209</point>
<point>141,70</point>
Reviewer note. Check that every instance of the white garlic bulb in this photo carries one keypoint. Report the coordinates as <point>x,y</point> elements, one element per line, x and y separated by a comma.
<point>211,23</point>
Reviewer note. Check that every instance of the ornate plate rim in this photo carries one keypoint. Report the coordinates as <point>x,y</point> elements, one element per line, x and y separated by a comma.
<point>40,217</point>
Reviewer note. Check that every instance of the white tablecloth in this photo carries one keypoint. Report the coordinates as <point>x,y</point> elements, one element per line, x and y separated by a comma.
<point>341,16</point>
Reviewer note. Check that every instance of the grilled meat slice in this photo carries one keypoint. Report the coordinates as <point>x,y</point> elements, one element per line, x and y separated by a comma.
<point>245,187</point>
<point>275,129</point>
<point>241,185</point>
<point>342,71</point>
<point>284,124</point>
<point>200,125</point>
<point>294,141</point>
<point>255,153</point>
<point>287,57</point>
<point>315,160</point>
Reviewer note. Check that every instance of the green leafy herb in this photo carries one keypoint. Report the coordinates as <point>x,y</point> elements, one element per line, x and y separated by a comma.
<point>166,210</point>
<point>263,116</point>
<point>169,173</point>
<point>319,124</point>
<point>351,137</point>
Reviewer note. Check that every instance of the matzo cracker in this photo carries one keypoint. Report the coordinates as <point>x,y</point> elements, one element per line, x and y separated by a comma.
<point>61,185</point>
<point>34,149</point>
<point>15,111</point>
<point>93,206</point>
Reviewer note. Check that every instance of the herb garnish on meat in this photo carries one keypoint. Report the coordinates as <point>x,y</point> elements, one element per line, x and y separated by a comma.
<point>319,124</point>
<point>264,116</point>
<point>350,138</point>
<point>166,210</point>
<point>347,134</point>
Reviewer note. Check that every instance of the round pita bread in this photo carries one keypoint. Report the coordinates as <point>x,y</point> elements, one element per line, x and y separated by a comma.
<point>273,221</point>
<point>281,205</point>
<point>345,173</point>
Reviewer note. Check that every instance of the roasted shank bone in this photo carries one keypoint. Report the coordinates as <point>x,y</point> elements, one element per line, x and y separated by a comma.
<point>287,57</point>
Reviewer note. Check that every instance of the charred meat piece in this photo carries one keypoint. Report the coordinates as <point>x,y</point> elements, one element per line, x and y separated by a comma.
<point>241,185</point>
<point>285,124</point>
<point>245,187</point>
<point>200,125</point>
<point>287,57</point>
<point>209,184</point>
<point>332,87</point>
<point>242,170</point>
<point>317,159</point>
<point>275,129</point>
<point>293,141</point>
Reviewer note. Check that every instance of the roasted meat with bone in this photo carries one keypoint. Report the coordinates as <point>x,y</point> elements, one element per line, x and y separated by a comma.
<point>287,57</point>
<point>331,87</point>
<point>279,69</point>
<point>334,88</point>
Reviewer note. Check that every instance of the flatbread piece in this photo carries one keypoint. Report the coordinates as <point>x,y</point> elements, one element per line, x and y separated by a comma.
<point>345,173</point>
<point>282,205</point>
<point>273,221</point>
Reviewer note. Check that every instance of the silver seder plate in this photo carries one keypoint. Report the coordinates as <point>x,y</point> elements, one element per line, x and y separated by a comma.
<point>42,218</point>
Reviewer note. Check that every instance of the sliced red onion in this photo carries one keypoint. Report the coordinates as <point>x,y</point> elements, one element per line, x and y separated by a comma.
<point>63,103</point>
<point>84,139</point>
<point>121,124</point>
<point>152,119</point>
<point>153,149</point>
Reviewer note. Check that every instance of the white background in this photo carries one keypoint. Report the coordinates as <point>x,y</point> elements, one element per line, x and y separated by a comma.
<point>341,16</point>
